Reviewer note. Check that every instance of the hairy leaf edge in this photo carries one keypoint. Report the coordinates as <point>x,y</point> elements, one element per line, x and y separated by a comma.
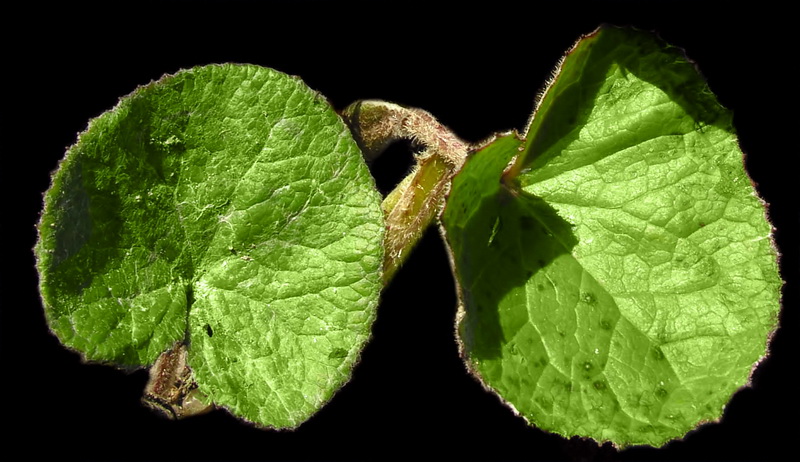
<point>461,311</point>
<point>38,252</point>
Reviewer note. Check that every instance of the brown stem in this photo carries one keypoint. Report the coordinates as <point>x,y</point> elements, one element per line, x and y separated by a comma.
<point>413,204</point>
<point>171,388</point>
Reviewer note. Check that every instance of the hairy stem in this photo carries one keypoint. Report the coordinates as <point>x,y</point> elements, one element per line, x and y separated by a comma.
<point>413,204</point>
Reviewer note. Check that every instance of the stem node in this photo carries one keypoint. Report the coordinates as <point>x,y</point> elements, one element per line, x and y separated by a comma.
<point>418,198</point>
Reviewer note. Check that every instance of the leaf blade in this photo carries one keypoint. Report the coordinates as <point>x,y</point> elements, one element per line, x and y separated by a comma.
<point>666,240</point>
<point>255,195</point>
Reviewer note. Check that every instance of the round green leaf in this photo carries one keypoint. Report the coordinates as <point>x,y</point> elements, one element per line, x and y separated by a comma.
<point>228,207</point>
<point>618,280</point>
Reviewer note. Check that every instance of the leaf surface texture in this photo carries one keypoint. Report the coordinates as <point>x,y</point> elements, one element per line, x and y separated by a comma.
<point>618,278</point>
<point>229,207</point>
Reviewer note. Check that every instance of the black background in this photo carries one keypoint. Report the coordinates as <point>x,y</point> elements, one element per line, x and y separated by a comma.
<point>476,68</point>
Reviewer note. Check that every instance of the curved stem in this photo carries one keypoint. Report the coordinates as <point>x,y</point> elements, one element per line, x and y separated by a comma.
<point>413,204</point>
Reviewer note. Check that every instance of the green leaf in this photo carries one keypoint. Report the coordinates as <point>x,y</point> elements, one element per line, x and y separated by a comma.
<point>228,207</point>
<point>618,279</point>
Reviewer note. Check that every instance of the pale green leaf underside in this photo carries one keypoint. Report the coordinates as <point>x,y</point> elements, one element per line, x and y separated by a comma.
<point>227,205</point>
<point>624,284</point>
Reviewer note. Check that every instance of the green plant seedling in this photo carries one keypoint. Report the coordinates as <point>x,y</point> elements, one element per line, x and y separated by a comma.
<point>616,273</point>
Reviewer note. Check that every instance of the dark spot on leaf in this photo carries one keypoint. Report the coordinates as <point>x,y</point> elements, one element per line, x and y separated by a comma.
<point>661,393</point>
<point>700,126</point>
<point>337,353</point>
<point>209,331</point>
<point>599,385</point>
<point>539,287</point>
<point>658,354</point>
<point>588,298</point>
<point>605,324</point>
<point>512,347</point>
<point>588,366</point>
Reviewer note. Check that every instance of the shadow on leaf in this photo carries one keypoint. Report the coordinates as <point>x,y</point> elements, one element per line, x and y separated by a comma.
<point>508,240</point>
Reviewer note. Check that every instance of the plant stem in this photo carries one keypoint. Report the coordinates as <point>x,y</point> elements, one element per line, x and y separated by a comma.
<point>419,197</point>
<point>171,388</point>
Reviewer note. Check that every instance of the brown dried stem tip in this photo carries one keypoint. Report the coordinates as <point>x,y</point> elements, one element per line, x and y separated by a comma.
<point>171,388</point>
